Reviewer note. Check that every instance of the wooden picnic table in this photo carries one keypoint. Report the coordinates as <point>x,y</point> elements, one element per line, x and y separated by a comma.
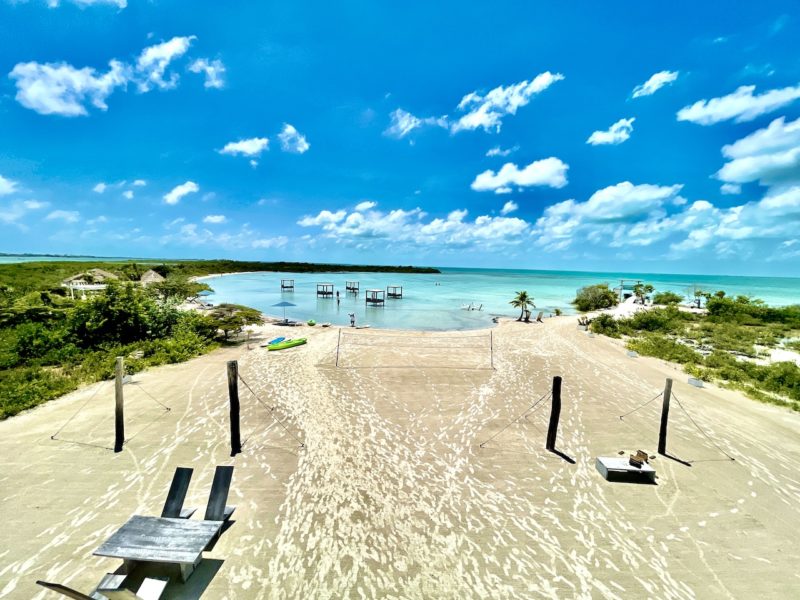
<point>161,540</point>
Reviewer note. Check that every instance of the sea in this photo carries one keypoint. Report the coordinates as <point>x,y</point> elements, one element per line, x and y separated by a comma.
<point>460,299</point>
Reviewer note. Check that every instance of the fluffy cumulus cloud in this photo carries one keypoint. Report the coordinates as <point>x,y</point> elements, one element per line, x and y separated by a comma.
<point>214,71</point>
<point>180,233</point>
<point>11,214</point>
<point>608,216</point>
<point>412,228</point>
<point>403,122</point>
<point>118,3</point>
<point>67,216</point>
<point>551,172</point>
<point>248,147</point>
<point>509,207</point>
<point>128,194</point>
<point>730,189</point>
<point>498,151</point>
<point>478,110</point>
<point>63,89</point>
<point>292,140</point>
<point>100,188</point>
<point>770,156</point>
<point>214,219</point>
<point>486,111</point>
<point>655,83</point>
<point>7,186</point>
<point>616,134</point>
<point>153,62</point>
<point>741,106</point>
<point>365,205</point>
<point>179,191</point>
<point>273,242</point>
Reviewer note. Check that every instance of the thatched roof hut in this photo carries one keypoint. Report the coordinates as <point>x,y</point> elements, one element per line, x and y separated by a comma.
<point>150,277</point>
<point>91,276</point>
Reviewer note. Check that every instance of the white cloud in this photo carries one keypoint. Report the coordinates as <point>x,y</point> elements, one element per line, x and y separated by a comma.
<point>366,205</point>
<point>118,3</point>
<point>68,216</point>
<point>128,194</point>
<point>741,105</point>
<point>178,192</point>
<point>410,228</point>
<point>248,147</point>
<point>100,188</point>
<point>498,151</point>
<point>61,89</point>
<point>154,60</point>
<point>7,186</point>
<point>139,182</point>
<point>551,172</point>
<point>214,71</point>
<point>275,242</point>
<point>480,111</point>
<point>486,111</point>
<point>292,140</point>
<point>323,219</point>
<point>616,215</point>
<point>215,219</point>
<point>509,207</point>
<point>403,123</point>
<point>616,134</point>
<point>730,189</point>
<point>770,156</point>
<point>655,83</point>
<point>11,213</point>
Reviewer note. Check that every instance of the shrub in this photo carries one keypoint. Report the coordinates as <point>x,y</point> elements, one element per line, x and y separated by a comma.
<point>605,324</point>
<point>595,297</point>
<point>667,298</point>
<point>663,347</point>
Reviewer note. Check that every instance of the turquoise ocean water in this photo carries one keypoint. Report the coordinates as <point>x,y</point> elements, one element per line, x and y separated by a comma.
<point>435,301</point>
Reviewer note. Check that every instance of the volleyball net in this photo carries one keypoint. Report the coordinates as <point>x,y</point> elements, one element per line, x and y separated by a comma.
<point>375,350</point>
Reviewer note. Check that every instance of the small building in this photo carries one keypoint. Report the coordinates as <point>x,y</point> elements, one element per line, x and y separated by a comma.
<point>351,286</point>
<point>325,290</point>
<point>150,277</point>
<point>93,280</point>
<point>625,288</point>
<point>287,284</point>
<point>394,291</point>
<point>375,297</point>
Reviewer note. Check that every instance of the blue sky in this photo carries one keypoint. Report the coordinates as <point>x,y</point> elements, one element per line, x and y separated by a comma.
<point>639,136</point>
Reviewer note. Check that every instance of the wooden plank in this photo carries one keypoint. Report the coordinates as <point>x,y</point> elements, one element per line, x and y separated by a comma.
<point>219,493</point>
<point>156,539</point>
<point>177,493</point>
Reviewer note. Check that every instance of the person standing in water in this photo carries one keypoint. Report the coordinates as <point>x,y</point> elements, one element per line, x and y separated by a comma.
<point>337,298</point>
<point>352,319</point>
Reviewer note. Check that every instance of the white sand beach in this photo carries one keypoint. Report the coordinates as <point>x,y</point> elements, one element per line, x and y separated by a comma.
<point>393,495</point>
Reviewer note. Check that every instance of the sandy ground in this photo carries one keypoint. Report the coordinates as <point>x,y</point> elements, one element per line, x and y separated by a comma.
<point>393,495</point>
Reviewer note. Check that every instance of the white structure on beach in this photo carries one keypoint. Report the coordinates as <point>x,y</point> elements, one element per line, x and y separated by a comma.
<point>93,280</point>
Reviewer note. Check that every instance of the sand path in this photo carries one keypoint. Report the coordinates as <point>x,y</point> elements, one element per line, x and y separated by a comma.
<point>393,495</point>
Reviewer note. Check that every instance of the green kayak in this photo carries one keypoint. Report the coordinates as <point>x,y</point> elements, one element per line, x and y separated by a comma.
<point>287,344</point>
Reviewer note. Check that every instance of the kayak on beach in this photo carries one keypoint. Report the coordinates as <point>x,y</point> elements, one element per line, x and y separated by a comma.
<point>287,344</point>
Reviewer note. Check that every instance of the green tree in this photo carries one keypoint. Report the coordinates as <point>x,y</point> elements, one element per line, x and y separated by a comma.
<point>232,318</point>
<point>641,290</point>
<point>595,297</point>
<point>667,298</point>
<point>522,301</point>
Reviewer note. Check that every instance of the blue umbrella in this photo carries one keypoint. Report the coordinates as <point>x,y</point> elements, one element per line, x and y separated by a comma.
<point>284,304</point>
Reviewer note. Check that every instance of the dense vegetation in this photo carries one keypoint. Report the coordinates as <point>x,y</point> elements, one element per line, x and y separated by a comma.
<point>51,344</point>
<point>723,344</point>
<point>34,276</point>
<point>595,297</point>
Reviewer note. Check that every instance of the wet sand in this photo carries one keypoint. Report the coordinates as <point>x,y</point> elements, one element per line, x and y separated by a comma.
<point>393,494</point>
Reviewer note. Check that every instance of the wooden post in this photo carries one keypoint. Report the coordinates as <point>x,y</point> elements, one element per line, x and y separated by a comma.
<point>491,350</point>
<point>662,432</point>
<point>555,414</point>
<point>119,419</point>
<point>233,395</point>
<point>338,343</point>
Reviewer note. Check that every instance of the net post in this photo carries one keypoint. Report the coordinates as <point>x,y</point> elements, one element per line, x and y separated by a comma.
<point>119,418</point>
<point>555,414</point>
<point>338,343</point>
<point>662,431</point>
<point>233,396</point>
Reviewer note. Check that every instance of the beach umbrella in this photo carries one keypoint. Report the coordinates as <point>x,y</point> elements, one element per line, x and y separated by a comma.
<point>284,304</point>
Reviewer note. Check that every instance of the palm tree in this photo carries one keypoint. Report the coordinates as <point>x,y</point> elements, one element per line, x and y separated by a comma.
<point>641,290</point>
<point>522,301</point>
